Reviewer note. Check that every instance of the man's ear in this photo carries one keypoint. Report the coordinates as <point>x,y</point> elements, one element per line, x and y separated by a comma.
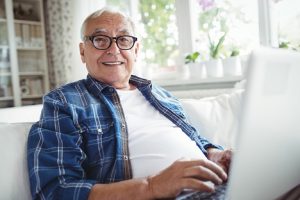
<point>81,49</point>
<point>136,50</point>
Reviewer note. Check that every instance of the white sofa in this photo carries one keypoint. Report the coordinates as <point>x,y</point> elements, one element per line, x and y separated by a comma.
<point>215,117</point>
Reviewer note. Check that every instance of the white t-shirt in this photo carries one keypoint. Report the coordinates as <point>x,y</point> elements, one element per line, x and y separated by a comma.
<point>154,141</point>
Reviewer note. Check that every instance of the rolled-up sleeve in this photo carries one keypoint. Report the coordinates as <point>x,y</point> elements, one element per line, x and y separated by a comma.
<point>55,157</point>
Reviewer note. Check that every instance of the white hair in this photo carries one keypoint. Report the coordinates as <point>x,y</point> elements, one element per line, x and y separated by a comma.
<point>98,13</point>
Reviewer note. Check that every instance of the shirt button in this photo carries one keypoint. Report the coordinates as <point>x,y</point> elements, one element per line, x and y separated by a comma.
<point>99,130</point>
<point>111,90</point>
<point>125,157</point>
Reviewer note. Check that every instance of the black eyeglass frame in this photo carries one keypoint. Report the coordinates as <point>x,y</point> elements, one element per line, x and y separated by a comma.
<point>91,38</point>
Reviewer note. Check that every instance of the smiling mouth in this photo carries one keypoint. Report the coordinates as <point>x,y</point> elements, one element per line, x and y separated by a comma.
<point>113,63</point>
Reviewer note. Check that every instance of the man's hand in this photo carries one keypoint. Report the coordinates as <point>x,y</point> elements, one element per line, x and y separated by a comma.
<point>220,157</point>
<point>183,174</point>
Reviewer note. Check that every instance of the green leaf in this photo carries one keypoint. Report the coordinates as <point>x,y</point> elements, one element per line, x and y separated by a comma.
<point>284,45</point>
<point>234,52</point>
<point>215,49</point>
<point>191,58</point>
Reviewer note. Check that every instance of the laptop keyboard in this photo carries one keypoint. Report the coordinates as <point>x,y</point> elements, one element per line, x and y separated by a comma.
<point>218,194</point>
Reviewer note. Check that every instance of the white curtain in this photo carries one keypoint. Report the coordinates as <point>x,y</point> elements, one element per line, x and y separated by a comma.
<point>63,19</point>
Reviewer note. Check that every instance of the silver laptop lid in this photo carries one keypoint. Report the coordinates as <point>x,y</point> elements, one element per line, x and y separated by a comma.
<point>267,161</point>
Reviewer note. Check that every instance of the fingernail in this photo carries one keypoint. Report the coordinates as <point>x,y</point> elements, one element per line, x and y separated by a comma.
<point>225,176</point>
<point>220,181</point>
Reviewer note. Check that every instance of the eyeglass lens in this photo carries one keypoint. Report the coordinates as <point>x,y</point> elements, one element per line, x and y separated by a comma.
<point>104,42</point>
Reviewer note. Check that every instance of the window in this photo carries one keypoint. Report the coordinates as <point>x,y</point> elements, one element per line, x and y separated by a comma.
<point>171,29</point>
<point>122,5</point>
<point>230,22</point>
<point>157,31</point>
<point>287,13</point>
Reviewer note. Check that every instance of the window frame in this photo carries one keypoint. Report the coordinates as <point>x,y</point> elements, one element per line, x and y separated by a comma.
<point>268,34</point>
<point>187,24</point>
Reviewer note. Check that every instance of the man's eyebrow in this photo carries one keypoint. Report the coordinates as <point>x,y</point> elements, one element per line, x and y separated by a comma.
<point>125,31</point>
<point>105,31</point>
<point>99,30</point>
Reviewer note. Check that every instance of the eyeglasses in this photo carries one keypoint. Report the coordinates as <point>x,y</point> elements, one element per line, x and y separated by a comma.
<point>103,42</point>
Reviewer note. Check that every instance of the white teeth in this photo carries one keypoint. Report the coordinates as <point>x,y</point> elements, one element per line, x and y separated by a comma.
<point>112,63</point>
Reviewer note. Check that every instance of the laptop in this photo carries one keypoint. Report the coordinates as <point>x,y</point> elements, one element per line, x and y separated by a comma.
<point>266,163</point>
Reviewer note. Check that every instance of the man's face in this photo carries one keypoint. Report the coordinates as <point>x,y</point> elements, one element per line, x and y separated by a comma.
<point>113,65</point>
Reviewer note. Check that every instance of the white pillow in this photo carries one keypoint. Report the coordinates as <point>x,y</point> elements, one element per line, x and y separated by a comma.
<point>216,118</point>
<point>14,181</point>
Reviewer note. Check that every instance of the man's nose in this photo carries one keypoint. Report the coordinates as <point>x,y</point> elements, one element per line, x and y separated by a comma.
<point>114,47</point>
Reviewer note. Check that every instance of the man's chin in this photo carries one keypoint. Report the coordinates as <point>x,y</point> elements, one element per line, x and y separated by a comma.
<point>114,80</point>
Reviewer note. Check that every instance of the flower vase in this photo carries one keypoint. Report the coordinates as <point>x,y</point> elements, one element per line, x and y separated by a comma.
<point>232,66</point>
<point>196,70</point>
<point>214,68</point>
<point>183,72</point>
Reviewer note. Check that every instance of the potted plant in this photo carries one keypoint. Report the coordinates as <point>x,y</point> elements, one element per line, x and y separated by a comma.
<point>289,45</point>
<point>214,49</point>
<point>194,67</point>
<point>232,64</point>
<point>191,58</point>
<point>214,67</point>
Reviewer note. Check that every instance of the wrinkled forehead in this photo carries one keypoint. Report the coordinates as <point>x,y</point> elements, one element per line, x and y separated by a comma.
<point>109,23</point>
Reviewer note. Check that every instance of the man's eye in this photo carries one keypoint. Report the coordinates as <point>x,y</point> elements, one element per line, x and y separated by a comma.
<point>124,39</point>
<point>100,39</point>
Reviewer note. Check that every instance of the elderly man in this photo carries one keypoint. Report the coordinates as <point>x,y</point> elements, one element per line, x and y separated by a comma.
<point>114,135</point>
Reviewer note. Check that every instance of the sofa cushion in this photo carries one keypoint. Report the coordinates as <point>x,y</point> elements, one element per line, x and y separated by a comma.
<point>216,118</point>
<point>14,183</point>
<point>20,114</point>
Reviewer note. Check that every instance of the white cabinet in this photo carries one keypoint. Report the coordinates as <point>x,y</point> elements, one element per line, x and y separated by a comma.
<point>23,61</point>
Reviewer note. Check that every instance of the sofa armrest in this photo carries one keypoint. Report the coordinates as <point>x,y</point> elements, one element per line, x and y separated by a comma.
<point>20,114</point>
<point>14,182</point>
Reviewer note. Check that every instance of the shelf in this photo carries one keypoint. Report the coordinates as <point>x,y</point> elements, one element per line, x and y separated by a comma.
<point>30,48</point>
<point>6,98</point>
<point>197,81</point>
<point>27,97</point>
<point>37,23</point>
<point>5,73</point>
<point>31,73</point>
<point>201,83</point>
<point>23,71</point>
<point>4,46</point>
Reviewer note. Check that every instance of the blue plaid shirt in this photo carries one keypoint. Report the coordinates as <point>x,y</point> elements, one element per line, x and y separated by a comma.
<point>81,138</point>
